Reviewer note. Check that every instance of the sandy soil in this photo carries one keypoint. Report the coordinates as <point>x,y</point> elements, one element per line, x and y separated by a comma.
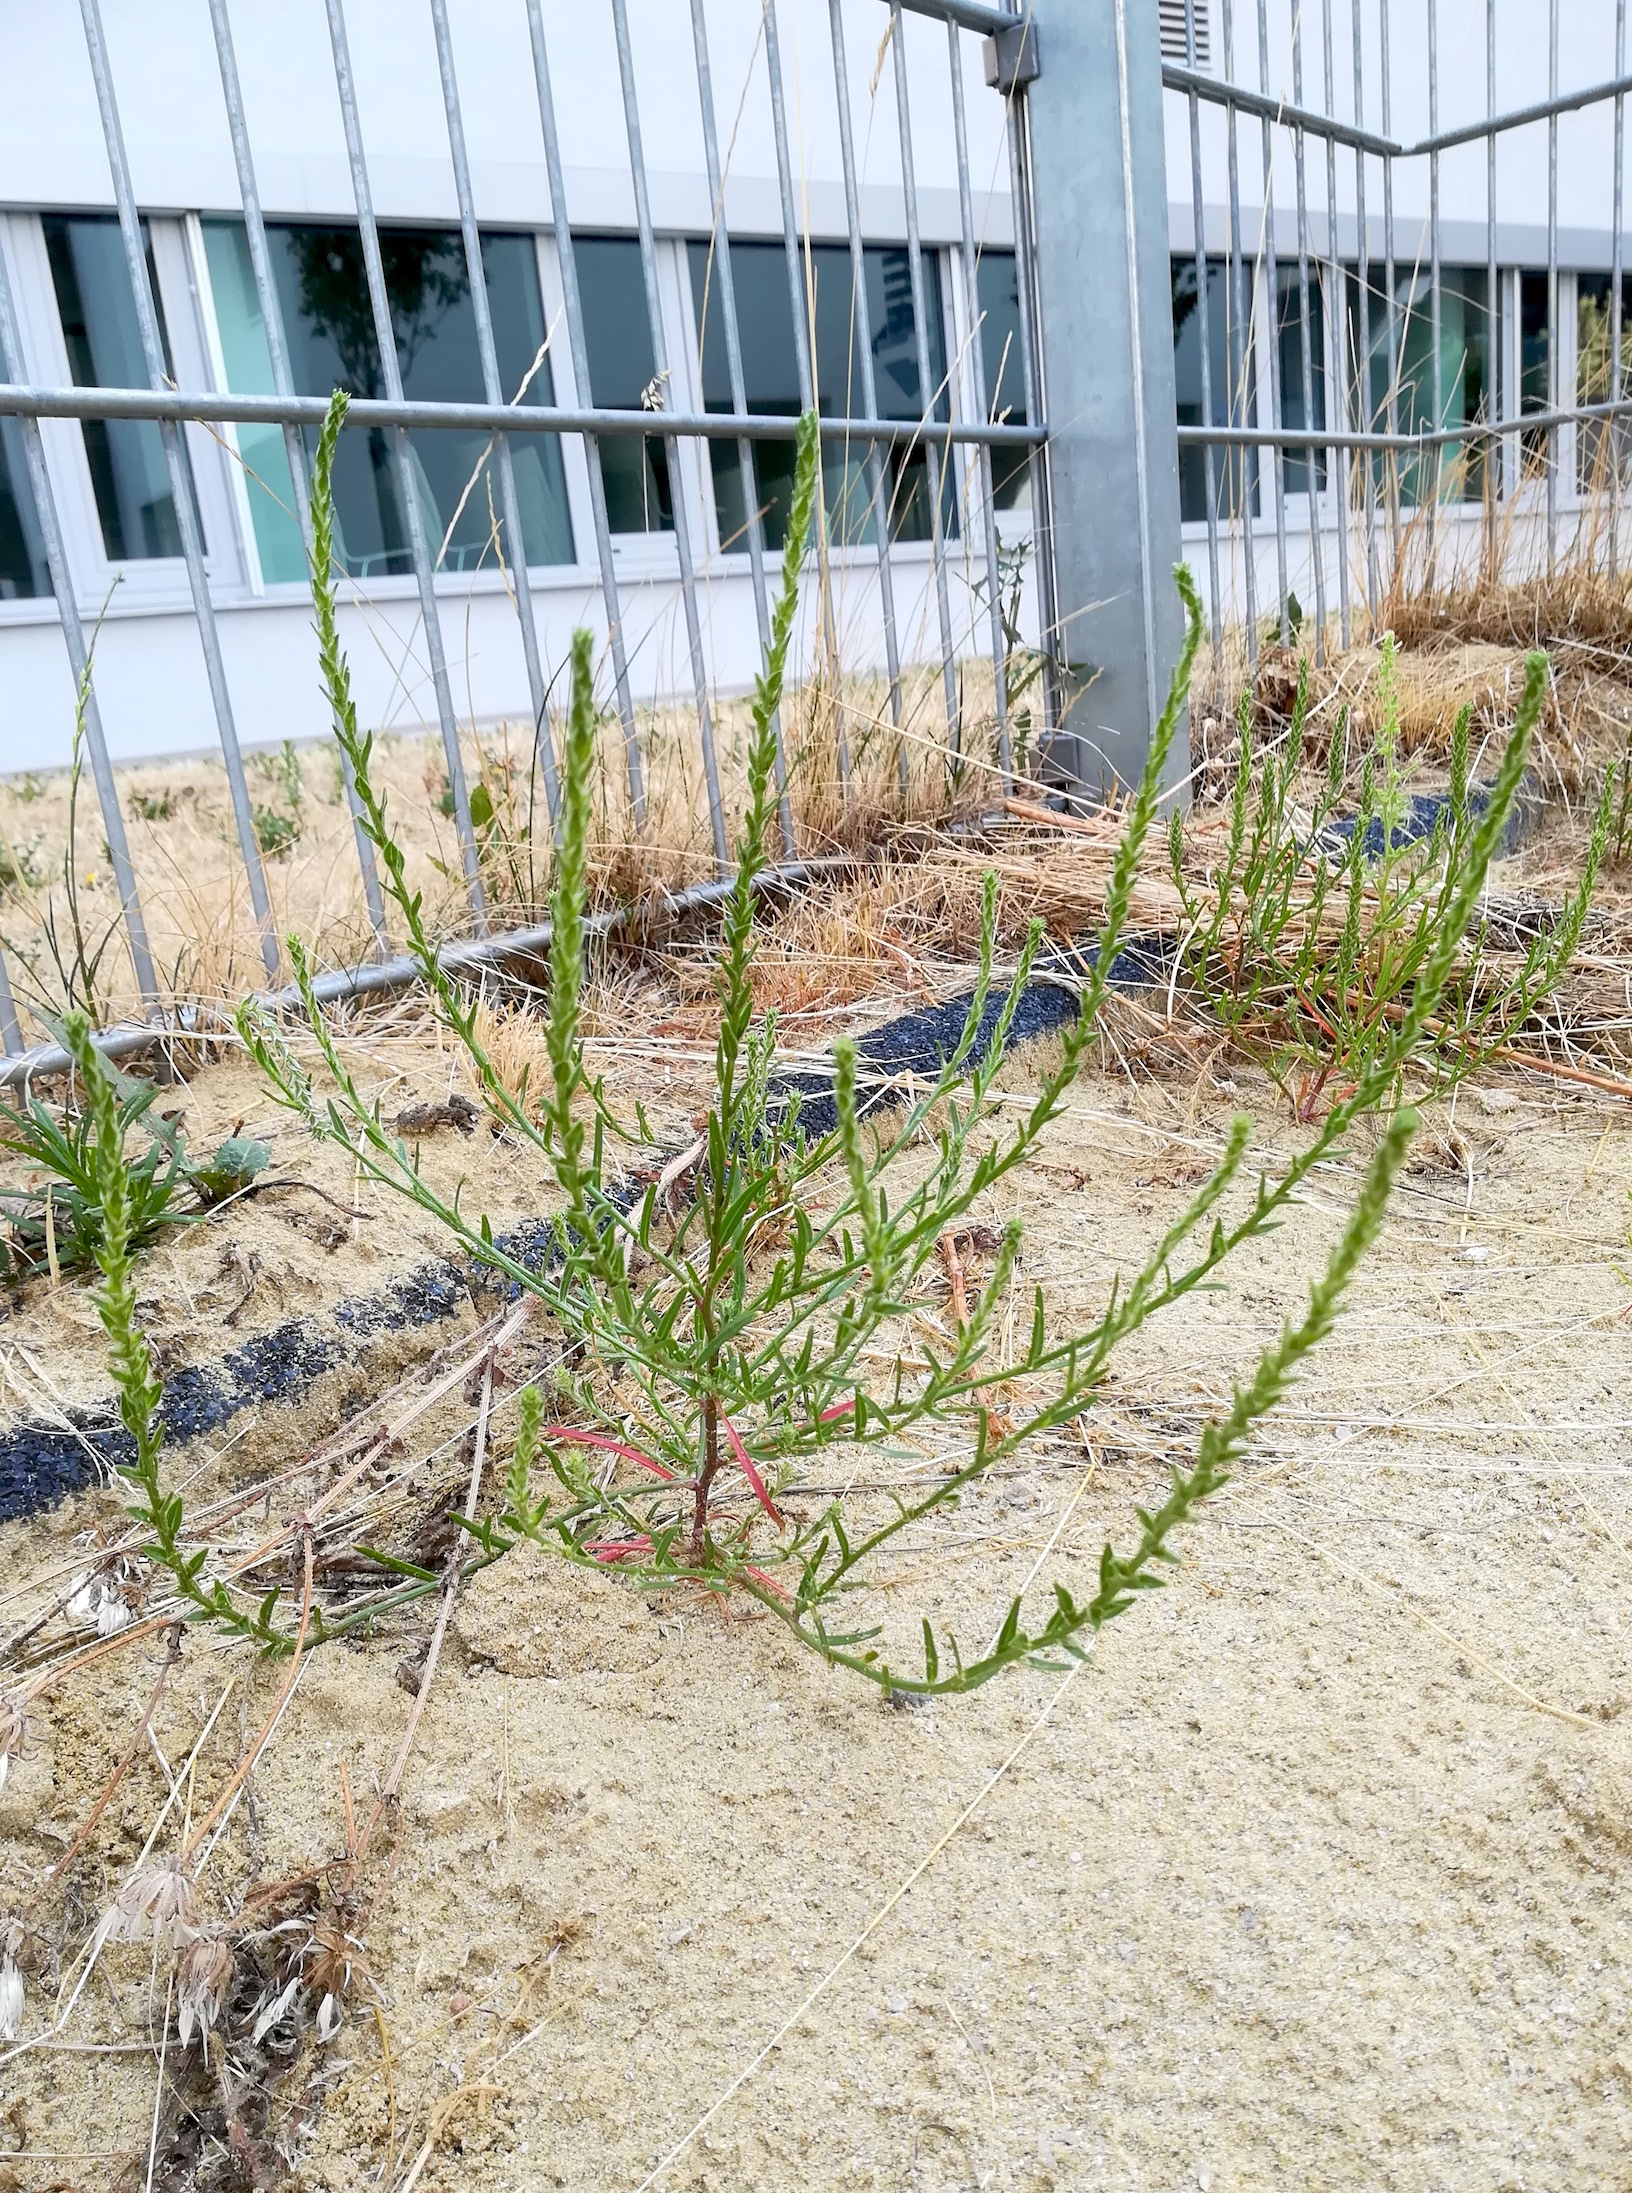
<point>1313,1877</point>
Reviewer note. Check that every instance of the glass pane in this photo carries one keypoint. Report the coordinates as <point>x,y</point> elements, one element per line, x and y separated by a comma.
<point>1464,391</point>
<point>997,294</point>
<point>1534,369</point>
<point>100,328</point>
<point>771,382</point>
<point>1601,444</point>
<point>329,327</point>
<point>770,373</point>
<point>23,571</point>
<point>1296,411</point>
<point>249,373</point>
<point>618,338</point>
<point>1235,471</point>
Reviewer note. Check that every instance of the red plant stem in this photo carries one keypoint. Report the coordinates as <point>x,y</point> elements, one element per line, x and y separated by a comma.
<point>571,1438</point>
<point>745,1463</point>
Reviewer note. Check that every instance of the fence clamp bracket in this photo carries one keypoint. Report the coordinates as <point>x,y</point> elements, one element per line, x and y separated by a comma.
<point>1010,58</point>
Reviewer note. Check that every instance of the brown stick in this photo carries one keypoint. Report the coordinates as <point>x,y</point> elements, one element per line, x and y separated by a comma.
<point>954,1278</point>
<point>705,1479</point>
<point>450,1592</point>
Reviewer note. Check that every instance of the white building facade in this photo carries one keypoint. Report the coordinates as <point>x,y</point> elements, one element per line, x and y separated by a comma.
<point>1351,356</point>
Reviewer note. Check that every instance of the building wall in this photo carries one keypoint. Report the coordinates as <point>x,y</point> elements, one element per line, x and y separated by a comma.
<point>150,675</point>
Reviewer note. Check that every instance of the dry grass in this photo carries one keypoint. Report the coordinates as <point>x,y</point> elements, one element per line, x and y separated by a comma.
<point>196,901</point>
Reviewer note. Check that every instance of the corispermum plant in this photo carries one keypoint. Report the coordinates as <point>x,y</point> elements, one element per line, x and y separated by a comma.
<point>748,1289</point>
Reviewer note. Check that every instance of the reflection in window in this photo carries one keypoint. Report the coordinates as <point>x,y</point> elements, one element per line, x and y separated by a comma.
<point>1601,443</point>
<point>771,379</point>
<point>103,336</point>
<point>618,337</point>
<point>329,328</point>
<point>997,298</point>
<point>1458,472</point>
<point>1295,410</point>
<point>1235,471</point>
<point>1535,372</point>
<point>23,570</point>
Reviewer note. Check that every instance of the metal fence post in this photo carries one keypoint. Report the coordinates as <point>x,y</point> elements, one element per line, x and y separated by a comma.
<point>1112,527</point>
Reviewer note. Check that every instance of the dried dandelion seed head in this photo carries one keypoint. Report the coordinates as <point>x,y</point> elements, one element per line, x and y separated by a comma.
<point>334,1965</point>
<point>98,1603</point>
<point>161,1897</point>
<point>204,1975</point>
<point>13,1736</point>
<point>11,1983</point>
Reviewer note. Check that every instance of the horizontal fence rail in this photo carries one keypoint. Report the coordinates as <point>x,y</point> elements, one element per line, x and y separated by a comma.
<point>954,416</point>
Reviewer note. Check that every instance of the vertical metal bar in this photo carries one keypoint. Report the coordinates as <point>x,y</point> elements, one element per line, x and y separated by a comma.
<point>277,350</point>
<point>181,486</point>
<point>1614,429</point>
<point>1364,418</point>
<point>11,1035</point>
<point>1021,198</point>
<point>802,304</point>
<point>1204,336</point>
<point>1336,345</point>
<point>977,360</point>
<point>682,523</point>
<point>1496,451</point>
<point>493,390</point>
<point>739,396</point>
<point>1553,390</point>
<point>1311,456</point>
<point>1243,358</point>
<point>1273,310</point>
<point>798,302</point>
<point>407,487</point>
<point>573,311</point>
<point>863,326</point>
<point>1435,308</point>
<point>934,454</point>
<point>1391,300</point>
<point>73,634</point>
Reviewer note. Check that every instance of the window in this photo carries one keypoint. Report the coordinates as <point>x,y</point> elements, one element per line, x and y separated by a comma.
<point>1177,18</point>
<point>1302,409</point>
<point>100,328</point>
<point>329,327</point>
<point>997,296</point>
<point>1235,471</point>
<point>771,382</point>
<point>1535,362</point>
<point>1595,380</point>
<point>23,572</point>
<point>1458,472</point>
<point>618,337</point>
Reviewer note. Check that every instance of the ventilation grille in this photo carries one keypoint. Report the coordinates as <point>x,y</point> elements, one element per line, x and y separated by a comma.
<point>1175,17</point>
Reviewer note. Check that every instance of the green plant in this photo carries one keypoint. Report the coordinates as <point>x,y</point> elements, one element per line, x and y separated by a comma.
<point>153,806</point>
<point>743,1324</point>
<point>1311,939</point>
<point>112,1181</point>
<point>278,823</point>
<point>60,1226</point>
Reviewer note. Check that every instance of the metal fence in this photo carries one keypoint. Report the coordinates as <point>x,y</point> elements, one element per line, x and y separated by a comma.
<point>1332,411</point>
<point>1378,453</point>
<point>862,430</point>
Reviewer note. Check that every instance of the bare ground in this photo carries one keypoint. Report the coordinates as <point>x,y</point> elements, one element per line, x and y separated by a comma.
<point>1313,1877</point>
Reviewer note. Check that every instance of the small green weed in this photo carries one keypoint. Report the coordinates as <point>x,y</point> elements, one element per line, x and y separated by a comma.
<point>1311,938</point>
